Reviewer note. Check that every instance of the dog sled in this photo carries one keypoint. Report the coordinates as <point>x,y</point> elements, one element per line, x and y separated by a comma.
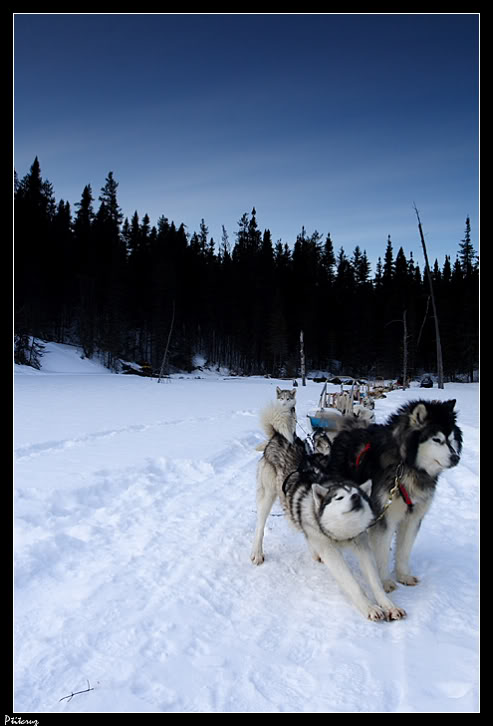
<point>325,417</point>
<point>334,404</point>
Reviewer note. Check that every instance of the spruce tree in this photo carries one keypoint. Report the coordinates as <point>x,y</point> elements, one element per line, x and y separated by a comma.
<point>388,265</point>
<point>328,261</point>
<point>34,209</point>
<point>111,277</point>
<point>87,263</point>
<point>467,254</point>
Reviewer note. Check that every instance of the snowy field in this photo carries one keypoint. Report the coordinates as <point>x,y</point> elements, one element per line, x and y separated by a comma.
<point>134,518</point>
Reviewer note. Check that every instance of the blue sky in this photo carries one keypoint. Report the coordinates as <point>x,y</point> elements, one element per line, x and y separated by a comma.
<point>335,122</point>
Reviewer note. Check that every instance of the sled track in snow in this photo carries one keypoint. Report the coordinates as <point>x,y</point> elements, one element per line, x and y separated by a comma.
<point>50,447</point>
<point>153,585</point>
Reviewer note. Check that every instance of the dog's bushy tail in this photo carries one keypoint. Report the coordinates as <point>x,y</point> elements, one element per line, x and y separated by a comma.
<point>278,419</point>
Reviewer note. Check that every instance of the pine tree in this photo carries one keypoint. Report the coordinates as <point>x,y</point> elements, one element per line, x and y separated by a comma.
<point>361,267</point>
<point>468,322</point>
<point>467,255</point>
<point>328,260</point>
<point>63,272</point>
<point>34,209</point>
<point>388,266</point>
<point>109,199</point>
<point>87,263</point>
<point>225,249</point>
<point>111,272</point>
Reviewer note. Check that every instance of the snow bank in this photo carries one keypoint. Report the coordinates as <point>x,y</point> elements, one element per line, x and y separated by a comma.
<point>67,359</point>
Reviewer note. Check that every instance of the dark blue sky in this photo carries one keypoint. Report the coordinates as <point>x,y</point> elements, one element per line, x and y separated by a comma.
<point>335,122</point>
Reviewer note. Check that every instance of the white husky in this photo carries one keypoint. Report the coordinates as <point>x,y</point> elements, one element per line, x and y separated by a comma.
<point>280,416</point>
<point>331,513</point>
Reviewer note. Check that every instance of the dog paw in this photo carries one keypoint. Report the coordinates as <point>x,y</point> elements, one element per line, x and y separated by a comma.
<point>257,558</point>
<point>395,613</point>
<point>375,613</point>
<point>408,580</point>
<point>389,585</point>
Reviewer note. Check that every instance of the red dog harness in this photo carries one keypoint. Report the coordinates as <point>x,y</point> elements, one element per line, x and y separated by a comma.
<point>402,489</point>
<point>362,453</point>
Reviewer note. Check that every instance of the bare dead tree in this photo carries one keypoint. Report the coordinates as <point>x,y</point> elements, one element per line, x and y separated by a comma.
<point>433,304</point>
<point>163,364</point>
<point>404,347</point>
<point>404,352</point>
<point>302,357</point>
<point>423,323</point>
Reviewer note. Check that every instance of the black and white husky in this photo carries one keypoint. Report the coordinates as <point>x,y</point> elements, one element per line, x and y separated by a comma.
<point>331,512</point>
<point>404,458</point>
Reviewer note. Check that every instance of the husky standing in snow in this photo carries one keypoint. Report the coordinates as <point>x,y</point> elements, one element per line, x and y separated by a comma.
<point>332,513</point>
<point>280,416</point>
<point>404,459</point>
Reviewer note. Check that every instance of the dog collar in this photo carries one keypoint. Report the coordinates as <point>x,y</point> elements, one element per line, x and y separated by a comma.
<point>405,495</point>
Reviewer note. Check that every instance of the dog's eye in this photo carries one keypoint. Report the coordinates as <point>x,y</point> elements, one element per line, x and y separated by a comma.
<point>338,499</point>
<point>438,441</point>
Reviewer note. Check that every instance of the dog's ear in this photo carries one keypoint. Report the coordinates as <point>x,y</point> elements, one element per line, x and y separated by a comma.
<point>418,416</point>
<point>366,487</point>
<point>293,393</point>
<point>450,404</point>
<point>319,494</point>
<point>278,391</point>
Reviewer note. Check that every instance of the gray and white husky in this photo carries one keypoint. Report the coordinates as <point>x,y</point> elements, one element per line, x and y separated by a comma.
<point>331,513</point>
<point>286,396</point>
<point>279,416</point>
<point>404,458</point>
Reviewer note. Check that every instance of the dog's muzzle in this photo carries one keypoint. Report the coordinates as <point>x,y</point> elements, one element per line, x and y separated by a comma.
<point>355,502</point>
<point>454,459</point>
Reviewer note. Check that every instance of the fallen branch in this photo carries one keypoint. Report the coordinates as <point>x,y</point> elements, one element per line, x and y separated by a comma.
<point>77,693</point>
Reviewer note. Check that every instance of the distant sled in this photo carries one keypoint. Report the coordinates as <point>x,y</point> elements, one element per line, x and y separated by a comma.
<point>326,416</point>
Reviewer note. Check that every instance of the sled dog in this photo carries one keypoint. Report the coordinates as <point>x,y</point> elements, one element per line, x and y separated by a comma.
<point>331,512</point>
<point>280,416</point>
<point>404,458</point>
<point>286,396</point>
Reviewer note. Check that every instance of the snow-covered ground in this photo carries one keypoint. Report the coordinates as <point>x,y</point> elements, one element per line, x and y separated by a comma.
<point>134,517</point>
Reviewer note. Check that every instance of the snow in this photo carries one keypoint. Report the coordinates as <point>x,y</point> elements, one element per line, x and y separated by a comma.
<point>134,517</point>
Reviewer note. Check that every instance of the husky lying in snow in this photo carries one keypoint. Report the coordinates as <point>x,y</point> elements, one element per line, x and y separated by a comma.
<point>332,512</point>
<point>404,459</point>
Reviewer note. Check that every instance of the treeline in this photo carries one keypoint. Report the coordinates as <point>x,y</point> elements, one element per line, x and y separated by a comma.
<point>115,285</point>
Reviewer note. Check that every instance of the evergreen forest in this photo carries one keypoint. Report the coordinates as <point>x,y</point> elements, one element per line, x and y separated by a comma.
<point>123,290</point>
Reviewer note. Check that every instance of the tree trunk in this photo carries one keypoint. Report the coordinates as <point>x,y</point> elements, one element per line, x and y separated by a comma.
<point>302,356</point>
<point>435,315</point>
<point>161,372</point>
<point>404,355</point>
